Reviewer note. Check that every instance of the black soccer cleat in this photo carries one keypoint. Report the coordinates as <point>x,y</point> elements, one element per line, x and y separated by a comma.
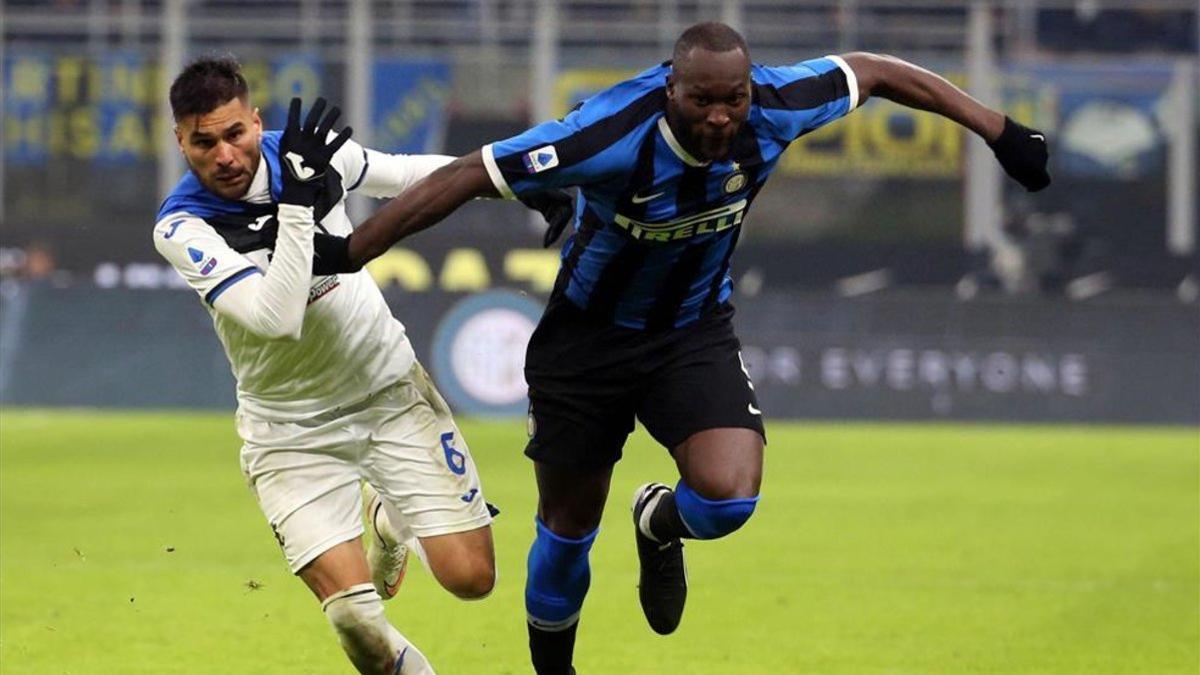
<point>662,588</point>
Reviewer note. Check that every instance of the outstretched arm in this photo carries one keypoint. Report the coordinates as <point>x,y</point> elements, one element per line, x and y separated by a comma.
<point>1021,151</point>
<point>421,206</point>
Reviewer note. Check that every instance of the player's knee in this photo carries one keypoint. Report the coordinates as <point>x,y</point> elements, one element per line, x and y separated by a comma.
<point>568,525</point>
<point>558,577</point>
<point>712,518</point>
<point>738,482</point>
<point>357,616</point>
<point>472,580</point>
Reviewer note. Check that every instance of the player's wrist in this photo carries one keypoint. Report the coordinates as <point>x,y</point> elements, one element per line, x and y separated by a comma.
<point>331,255</point>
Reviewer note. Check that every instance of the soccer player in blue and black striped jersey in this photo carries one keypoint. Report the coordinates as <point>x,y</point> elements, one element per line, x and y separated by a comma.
<point>639,323</point>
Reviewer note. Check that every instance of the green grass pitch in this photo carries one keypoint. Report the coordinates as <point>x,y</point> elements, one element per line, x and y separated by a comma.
<point>129,544</point>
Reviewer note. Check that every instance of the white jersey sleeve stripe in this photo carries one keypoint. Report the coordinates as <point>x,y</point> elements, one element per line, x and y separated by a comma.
<point>224,284</point>
<point>851,79</point>
<point>493,169</point>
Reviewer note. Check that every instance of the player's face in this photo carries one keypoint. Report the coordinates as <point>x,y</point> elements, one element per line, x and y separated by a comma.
<point>222,147</point>
<point>708,95</point>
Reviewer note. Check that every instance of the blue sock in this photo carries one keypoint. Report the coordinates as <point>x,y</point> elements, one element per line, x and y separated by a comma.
<point>708,518</point>
<point>557,581</point>
<point>558,578</point>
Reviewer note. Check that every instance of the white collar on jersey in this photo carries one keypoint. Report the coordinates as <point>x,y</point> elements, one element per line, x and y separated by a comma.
<point>673,143</point>
<point>259,191</point>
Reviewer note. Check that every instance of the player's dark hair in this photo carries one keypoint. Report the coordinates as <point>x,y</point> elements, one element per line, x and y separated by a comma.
<point>206,84</point>
<point>710,36</point>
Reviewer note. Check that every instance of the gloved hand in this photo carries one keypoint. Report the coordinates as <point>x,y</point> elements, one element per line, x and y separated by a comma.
<point>557,207</point>
<point>1023,154</point>
<point>331,255</point>
<point>304,153</point>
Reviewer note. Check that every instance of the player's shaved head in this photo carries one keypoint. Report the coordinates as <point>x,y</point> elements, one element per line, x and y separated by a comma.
<point>206,84</point>
<point>709,89</point>
<point>710,36</point>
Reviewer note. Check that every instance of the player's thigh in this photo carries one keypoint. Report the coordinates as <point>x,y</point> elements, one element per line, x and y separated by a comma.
<point>571,498</point>
<point>464,562</point>
<point>701,384</point>
<point>336,569</point>
<point>307,488</point>
<point>420,463</point>
<point>583,376</point>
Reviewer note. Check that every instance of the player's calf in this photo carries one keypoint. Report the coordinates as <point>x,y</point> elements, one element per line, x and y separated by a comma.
<point>373,645</point>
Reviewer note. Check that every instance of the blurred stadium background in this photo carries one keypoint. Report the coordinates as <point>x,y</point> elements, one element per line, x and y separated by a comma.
<point>889,272</point>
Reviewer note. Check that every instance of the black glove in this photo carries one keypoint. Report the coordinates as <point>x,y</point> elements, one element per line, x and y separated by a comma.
<point>557,207</point>
<point>305,155</point>
<point>1023,154</point>
<point>331,255</point>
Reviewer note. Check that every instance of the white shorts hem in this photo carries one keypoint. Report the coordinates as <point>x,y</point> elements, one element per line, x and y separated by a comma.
<point>314,551</point>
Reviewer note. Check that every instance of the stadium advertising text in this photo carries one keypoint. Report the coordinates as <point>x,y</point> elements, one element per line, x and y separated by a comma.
<point>107,109</point>
<point>983,370</point>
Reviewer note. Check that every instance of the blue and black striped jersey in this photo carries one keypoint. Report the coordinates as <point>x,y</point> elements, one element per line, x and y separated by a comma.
<point>655,228</point>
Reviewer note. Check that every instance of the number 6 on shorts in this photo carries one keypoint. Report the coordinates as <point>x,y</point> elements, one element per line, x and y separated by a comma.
<point>454,459</point>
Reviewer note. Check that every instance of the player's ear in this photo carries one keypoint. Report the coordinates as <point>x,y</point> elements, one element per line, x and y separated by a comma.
<point>178,137</point>
<point>671,86</point>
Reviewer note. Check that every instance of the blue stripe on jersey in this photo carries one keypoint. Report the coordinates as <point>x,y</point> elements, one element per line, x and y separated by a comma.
<point>189,195</point>
<point>656,229</point>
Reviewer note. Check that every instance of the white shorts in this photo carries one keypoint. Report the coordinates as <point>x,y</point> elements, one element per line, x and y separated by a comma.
<point>402,440</point>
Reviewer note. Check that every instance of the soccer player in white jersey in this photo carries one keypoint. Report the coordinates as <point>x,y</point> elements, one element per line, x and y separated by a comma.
<point>329,390</point>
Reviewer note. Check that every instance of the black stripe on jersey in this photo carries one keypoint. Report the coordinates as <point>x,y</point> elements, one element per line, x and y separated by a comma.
<point>691,195</point>
<point>248,231</point>
<point>589,225</point>
<point>810,92</point>
<point>747,153</point>
<point>363,174</point>
<point>640,179</point>
<point>592,139</point>
<point>675,287</point>
<point>252,230</point>
<point>615,278</point>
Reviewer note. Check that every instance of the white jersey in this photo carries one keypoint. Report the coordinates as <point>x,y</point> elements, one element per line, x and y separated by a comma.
<point>348,344</point>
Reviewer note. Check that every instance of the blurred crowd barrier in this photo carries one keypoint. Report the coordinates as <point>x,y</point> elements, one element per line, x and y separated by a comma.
<point>900,356</point>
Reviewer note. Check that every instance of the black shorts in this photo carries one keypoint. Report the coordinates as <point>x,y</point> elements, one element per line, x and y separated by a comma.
<point>589,379</point>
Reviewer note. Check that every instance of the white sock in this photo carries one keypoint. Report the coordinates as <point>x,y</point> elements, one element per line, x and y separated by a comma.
<point>373,644</point>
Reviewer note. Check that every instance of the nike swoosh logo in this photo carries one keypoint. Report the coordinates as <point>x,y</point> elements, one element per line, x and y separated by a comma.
<point>393,587</point>
<point>636,199</point>
<point>296,163</point>
<point>752,409</point>
<point>1039,137</point>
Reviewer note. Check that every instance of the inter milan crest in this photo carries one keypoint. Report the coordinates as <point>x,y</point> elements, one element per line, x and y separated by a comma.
<point>735,182</point>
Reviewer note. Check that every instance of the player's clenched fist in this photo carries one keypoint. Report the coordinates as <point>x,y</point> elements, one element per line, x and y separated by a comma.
<point>305,154</point>
<point>1023,154</point>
